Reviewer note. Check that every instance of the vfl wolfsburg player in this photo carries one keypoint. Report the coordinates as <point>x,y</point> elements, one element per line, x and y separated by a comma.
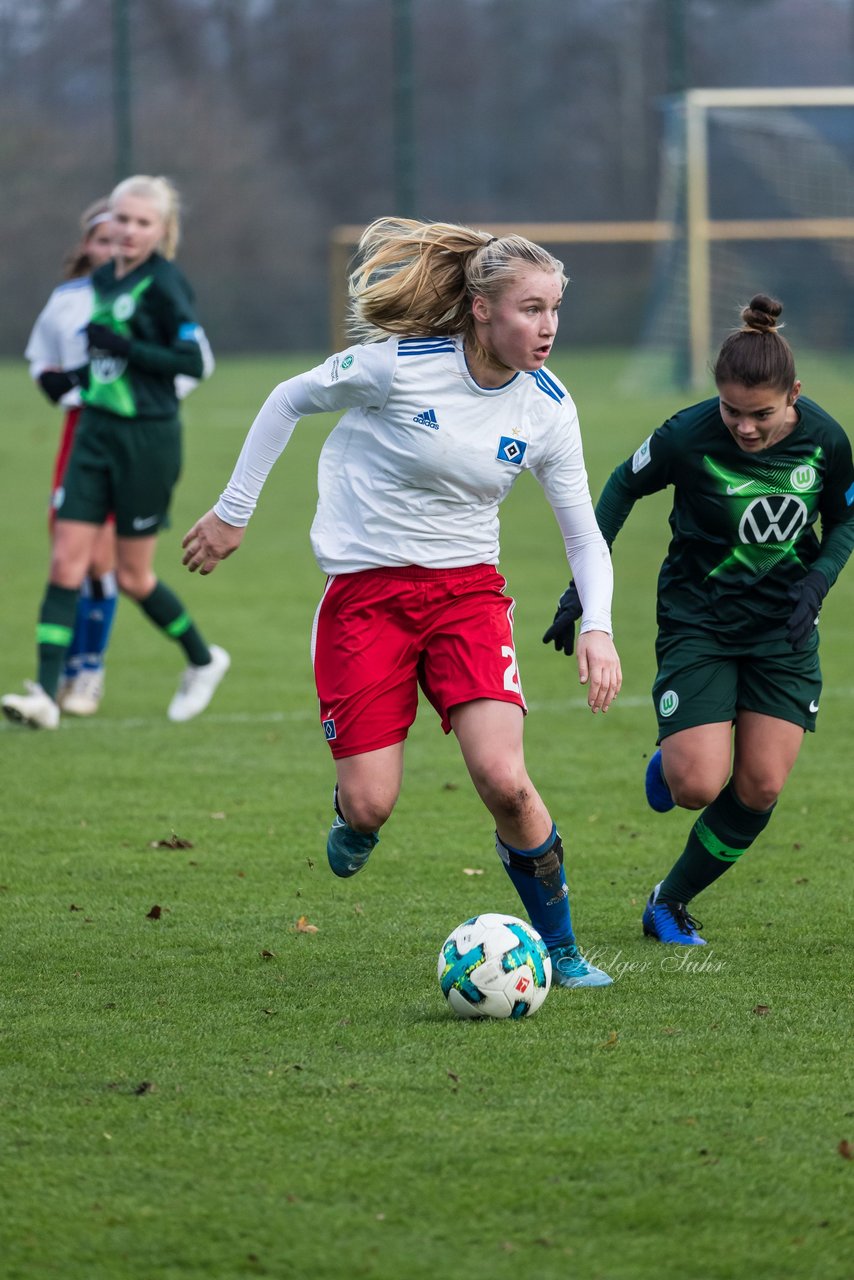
<point>126,454</point>
<point>739,596</point>
<point>447,402</point>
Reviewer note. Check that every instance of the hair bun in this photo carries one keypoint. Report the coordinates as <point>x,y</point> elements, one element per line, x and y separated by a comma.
<point>761,314</point>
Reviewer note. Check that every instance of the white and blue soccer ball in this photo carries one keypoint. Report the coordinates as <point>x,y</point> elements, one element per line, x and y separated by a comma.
<point>494,966</point>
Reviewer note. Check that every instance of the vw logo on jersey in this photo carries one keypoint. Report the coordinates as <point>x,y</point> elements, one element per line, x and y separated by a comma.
<point>773,518</point>
<point>124,307</point>
<point>803,478</point>
<point>510,450</point>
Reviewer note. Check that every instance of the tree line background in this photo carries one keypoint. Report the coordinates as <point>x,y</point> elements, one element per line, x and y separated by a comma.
<point>279,119</point>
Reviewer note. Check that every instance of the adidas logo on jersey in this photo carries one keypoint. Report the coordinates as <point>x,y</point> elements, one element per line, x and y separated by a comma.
<point>427,419</point>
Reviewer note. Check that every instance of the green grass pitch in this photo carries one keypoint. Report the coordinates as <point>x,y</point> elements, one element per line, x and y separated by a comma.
<point>222,1092</point>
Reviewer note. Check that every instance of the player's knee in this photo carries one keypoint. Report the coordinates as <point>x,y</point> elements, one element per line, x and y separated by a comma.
<point>758,792</point>
<point>365,813</point>
<point>507,793</point>
<point>694,793</point>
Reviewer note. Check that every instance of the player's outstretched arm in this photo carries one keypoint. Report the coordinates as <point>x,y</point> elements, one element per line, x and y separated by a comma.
<point>599,669</point>
<point>209,541</point>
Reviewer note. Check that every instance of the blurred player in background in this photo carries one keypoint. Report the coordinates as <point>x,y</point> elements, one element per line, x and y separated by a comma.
<point>739,596</point>
<point>126,455</point>
<point>58,356</point>
<point>447,402</point>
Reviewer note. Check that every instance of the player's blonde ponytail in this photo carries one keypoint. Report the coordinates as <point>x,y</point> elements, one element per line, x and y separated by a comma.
<point>417,279</point>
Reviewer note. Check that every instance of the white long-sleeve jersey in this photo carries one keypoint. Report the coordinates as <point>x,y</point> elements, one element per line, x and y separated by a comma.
<point>418,465</point>
<point>58,338</point>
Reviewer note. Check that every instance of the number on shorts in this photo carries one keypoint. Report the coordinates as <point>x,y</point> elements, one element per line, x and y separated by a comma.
<point>511,679</point>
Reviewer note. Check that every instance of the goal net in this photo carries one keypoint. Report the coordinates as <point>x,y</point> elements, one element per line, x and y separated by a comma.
<point>757,189</point>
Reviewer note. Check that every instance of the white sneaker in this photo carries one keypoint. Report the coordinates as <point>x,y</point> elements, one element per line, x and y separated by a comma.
<point>198,685</point>
<point>34,708</point>
<point>82,695</point>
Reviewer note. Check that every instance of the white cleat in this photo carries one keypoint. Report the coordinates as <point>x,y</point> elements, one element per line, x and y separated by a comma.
<point>82,695</point>
<point>198,685</point>
<point>34,708</point>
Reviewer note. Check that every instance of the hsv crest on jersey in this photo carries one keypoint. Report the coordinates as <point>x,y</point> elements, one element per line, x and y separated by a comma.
<point>510,450</point>
<point>329,730</point>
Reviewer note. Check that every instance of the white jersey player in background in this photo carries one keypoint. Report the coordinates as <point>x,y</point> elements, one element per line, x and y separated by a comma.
<point>58,356</point>
<point>447,401</point>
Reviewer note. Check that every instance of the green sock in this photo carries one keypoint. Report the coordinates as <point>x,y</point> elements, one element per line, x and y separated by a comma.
<point>168,613</point>
<point>54,630</point>
<point>722,833</point>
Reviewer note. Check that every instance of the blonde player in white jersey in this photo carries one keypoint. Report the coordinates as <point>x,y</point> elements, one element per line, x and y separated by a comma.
<point>447,402</point>
<point>58,354</point>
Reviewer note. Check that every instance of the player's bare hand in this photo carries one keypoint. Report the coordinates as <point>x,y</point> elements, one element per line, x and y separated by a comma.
<point>599,669</point>
<point>209,541</point>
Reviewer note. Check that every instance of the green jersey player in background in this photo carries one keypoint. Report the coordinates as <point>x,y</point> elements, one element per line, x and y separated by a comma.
<point>753,471</point>
<point>126,455</point>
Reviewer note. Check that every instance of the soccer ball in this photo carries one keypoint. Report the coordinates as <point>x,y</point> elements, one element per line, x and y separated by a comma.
<point>494,966</point>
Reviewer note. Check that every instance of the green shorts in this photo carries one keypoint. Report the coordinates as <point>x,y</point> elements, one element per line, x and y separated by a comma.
<point>703,681</point>
<point>124,466</point>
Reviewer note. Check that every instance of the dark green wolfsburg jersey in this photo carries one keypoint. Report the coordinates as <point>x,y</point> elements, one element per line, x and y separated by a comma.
<point>743,524</point>
<point>152,306</point>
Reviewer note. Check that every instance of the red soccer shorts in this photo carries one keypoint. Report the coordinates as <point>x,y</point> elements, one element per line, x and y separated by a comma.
<point>380,634</point>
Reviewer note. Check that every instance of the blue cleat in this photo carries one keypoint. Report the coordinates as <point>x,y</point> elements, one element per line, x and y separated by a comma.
<point>346,849</point>
<point>669,922</point>
<point>657,791</point>
<point>570,969</point>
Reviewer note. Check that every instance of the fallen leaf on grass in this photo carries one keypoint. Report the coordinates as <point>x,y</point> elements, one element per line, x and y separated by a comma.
<point>145,1086</point>
<point>268,955</point>
<point>269,1012</point>
<point>303,926</point>
<point>174,842</point>
<point>472,871</point>
<point>846,1150</point>
<point>453,1076</point>
<point>218,816</point>
<point>155,913</point>
<point>761,1009</point>
<point>74,908</point>
<point>613,1039</point>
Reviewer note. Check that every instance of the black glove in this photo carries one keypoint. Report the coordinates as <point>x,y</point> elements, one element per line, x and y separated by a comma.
<point>102,338</point>
<point>56,382</point>
<point>562,630</point>
<point>806,596</point>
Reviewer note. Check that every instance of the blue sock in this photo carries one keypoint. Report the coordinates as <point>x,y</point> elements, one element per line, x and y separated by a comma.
<point>539,880</point>
<point>95,614</point>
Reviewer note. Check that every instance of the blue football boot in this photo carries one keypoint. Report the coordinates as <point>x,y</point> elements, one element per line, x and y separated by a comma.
<point>657,791</point>
<point>570,969</point>
<point>346,849</point>
<point>667,922</point>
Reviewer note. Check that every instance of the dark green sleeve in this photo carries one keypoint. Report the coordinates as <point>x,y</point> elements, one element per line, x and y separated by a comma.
<point>181,353</point>
<point>615,502</point>
<point>647,471</point>
<point>837,515</point>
